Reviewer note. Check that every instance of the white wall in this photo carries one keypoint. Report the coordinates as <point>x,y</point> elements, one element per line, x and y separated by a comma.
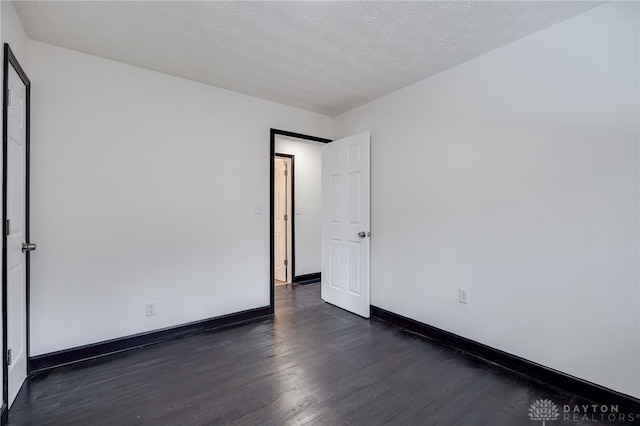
<point>515,175</point>
<point>143,189</point>
<point>308,199</point>
<point>13,33</point>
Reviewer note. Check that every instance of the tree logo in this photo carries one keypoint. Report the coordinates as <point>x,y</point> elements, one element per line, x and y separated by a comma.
<point>543,409</point>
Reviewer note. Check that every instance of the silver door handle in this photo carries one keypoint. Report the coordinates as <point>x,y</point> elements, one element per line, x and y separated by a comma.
<point>363,234</point>
<point>28,247</point>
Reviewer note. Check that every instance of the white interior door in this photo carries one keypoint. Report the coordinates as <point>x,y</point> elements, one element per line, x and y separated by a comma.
<point>280,226</point>
<point>345,223</point>
<point>16,234</point>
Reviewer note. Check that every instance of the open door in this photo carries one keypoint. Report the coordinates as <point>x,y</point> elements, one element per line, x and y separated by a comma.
<point>16,242</point>
<point>346,223</point>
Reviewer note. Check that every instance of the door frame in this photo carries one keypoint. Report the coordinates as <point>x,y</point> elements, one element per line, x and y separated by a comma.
<point>272,154</point>
<point>10,60</point>
<point>291,233</point>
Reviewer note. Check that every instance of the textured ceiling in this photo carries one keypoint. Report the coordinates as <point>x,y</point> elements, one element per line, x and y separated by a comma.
<point>322,56</point>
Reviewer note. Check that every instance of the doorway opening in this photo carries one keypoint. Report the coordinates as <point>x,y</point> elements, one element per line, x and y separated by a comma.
<point>303,213</point>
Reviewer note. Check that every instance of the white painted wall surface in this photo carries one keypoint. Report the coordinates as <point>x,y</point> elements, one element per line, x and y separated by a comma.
<point>308,197</point>
<point>515,175</point>
<point>143,189</point>
<point>14,34</point>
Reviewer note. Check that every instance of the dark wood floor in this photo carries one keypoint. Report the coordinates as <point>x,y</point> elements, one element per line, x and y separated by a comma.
<point>314,364</point>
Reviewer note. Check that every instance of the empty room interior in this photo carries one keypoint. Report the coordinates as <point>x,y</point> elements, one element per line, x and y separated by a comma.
<point>458,241</point>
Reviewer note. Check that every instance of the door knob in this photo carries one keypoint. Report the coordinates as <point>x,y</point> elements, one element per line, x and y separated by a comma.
<point>363,234</point>
<point>28,247</point>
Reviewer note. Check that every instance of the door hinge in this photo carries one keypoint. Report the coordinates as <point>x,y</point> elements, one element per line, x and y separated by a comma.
<point>7,229</point>
<point>8,97</point>
<point>286,217</point>
<point>286,173</point>
<point>286,262</point>
<point>8,356</point>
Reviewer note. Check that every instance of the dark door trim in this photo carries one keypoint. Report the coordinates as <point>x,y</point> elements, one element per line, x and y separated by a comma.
<point>291,270</point>
<point>10,60</point>
<point>272,154</point>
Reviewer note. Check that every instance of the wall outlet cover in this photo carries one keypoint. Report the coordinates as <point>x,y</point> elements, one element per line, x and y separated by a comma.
<point>151,309</point>
<point>463,295</point>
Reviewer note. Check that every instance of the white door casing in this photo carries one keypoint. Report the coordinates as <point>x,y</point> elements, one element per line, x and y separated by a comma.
<point>16,214</point>
<point>346,223</point>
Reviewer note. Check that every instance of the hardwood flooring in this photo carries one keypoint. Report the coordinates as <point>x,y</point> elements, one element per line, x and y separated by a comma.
<point>313,364</point>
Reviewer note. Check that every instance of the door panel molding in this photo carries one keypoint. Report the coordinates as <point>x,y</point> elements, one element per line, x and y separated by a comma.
<point>11,61</point>
<point>346,223</point>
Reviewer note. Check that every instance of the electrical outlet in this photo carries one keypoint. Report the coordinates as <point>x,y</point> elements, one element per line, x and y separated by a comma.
<point>463,295</point>
<point>151,309</point>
